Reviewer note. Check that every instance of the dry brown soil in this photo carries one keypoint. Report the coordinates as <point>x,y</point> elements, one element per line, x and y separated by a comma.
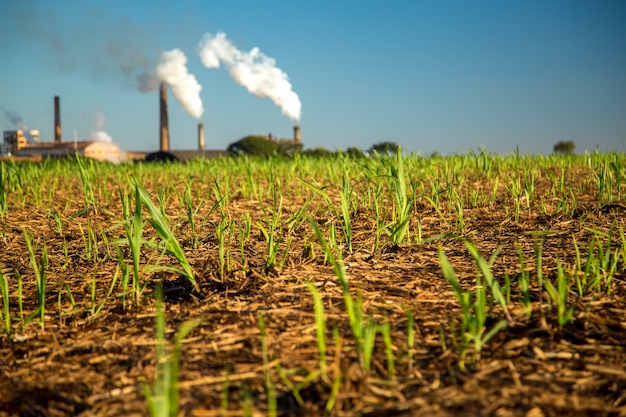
<point>94,363</point>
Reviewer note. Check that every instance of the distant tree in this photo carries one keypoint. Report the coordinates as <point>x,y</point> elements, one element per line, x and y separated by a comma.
<point>288,147</point>
<point>385,148</point>
<point>565,147</point>
<point>264,146</point>
<point>253,145</point>
<point>355,153</point>
<point>318,152</point>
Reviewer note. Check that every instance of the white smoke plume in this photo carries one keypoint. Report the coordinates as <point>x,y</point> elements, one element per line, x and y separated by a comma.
<point>99,120</point>
<point>186,90</point>
<point>253,70</point>
<point>112,152</point>
<point>99,135</point>
<point>172,68</point>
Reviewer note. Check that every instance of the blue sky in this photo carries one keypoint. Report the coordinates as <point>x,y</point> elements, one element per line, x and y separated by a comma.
<point>445,76</point>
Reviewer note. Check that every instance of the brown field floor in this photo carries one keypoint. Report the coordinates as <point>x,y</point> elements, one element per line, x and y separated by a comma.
<point>94,363</point>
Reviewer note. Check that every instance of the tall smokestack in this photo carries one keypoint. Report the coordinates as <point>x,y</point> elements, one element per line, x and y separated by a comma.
<point>57,120</point>
<point>200,137</point>
<point>296,134</point>
<point>164,134</point>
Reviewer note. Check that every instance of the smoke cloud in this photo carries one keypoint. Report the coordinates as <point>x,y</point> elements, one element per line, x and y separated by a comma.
<point>99,135</point>
<point>108,48</point>
<point>15,119</point>
<point>253,70</point>
<point>99,119</point>
<point>173,70</point>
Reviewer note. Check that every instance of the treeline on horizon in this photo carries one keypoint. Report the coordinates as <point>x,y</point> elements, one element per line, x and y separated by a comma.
<point>255,145</point>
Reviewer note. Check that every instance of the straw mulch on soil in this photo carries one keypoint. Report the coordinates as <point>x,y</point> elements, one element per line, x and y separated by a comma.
<point>94,363</point>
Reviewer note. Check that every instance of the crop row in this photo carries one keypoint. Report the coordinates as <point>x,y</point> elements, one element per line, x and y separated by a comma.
<point>135,222</point>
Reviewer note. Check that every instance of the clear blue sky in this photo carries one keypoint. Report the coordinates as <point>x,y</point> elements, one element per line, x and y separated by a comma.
<point>435,75</point>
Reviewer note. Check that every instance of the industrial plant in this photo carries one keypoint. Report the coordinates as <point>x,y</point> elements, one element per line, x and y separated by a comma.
<point>27,144</point>
<point>24,144</point>
<point>165,153</point>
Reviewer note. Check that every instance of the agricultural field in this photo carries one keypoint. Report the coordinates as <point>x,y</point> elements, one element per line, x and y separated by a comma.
<point>467,285</point>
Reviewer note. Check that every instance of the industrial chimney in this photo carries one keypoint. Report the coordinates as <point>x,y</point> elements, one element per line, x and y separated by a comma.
<point>164,131</point>
<point>200,137</point>
<point>57,120</point>
<point>296,134</point>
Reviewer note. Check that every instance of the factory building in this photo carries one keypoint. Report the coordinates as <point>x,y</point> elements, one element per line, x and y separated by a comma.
<point>24,144</point>
<point>17,144</point>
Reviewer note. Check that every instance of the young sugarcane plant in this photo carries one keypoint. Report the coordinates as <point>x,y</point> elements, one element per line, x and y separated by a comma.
<point>494,285</point>
<point>346,198</point>
<point>164,398</point>
<point>473,331</point>
<point>343,212</point>
<point>320,325</point>
<point>271,227</point>
<point>272,404</point>
<point>4,189</point>
<point>558,296</point>
<point>40,278</point>
<point>364,332</point>
<point>86,181</point>
<point>160,224</point>
<point>399,227</point>
<point>191,214</point>
<point>134,234</point>
<point>4,289</point>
